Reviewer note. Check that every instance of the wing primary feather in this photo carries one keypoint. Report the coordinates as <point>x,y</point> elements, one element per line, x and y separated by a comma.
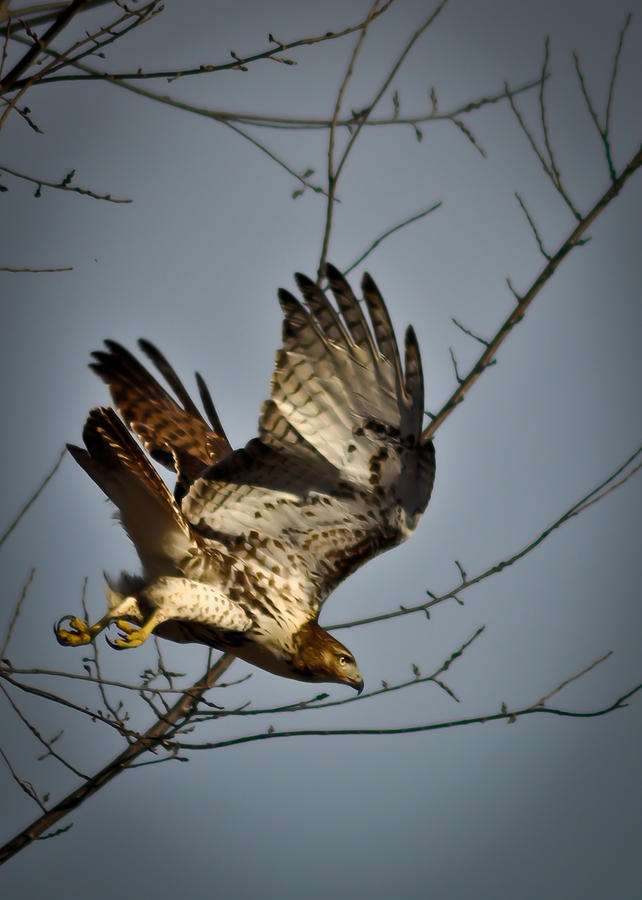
<point>414,377</point>
<point>131,387</point>
<point>350,309</point>
<point>120,361</point>
<point>322,310</point>
<point>170,376</point>
<point>300,329</point>
<point>384,332</point>
<point>208,406</point>
<point>177,437</point>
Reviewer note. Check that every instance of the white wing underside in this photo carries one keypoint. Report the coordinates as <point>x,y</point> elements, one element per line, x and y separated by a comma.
<point>339,471</point>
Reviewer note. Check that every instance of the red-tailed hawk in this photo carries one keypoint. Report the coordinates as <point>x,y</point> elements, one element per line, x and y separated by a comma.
<point>245,553</point>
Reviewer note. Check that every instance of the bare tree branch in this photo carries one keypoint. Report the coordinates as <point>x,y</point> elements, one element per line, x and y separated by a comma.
<point>152,737</point>
<point>593,496</point>
<point>40,13</point>
<point>63,18</point>
<point>333,172</point>
<point>321,701</point>
<point>296,123</point>
<point>549,165</point>
<point>237,63</point>
<point>172,722</point>
<point>517,314</point>
<point>504,715</point>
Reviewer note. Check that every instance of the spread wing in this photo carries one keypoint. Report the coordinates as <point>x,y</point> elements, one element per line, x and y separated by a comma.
<point>175,436</point>
<point>339,471</point>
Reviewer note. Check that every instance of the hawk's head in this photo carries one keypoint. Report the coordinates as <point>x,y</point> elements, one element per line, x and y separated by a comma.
<point>320,657</point>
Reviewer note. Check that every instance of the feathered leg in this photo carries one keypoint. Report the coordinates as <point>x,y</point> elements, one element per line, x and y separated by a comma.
<point>168,597</point>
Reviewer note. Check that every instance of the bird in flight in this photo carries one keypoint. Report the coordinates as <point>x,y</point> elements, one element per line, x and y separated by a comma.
<point>245,552</point>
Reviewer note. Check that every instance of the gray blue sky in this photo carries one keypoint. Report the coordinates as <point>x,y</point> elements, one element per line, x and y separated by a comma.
<point>544,807</point>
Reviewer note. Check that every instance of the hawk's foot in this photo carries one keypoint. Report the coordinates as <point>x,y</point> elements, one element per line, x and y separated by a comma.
<point>80,633</point>
<point>133,635</point>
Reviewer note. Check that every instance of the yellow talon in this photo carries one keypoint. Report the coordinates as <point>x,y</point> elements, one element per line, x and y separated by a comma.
<point>81,632</point>
<point>133,635</point>
<point>127,627</point>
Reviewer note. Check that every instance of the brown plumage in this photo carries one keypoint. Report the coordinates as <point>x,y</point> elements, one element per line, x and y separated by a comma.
<point>176,436</point>
<point>243,556</point>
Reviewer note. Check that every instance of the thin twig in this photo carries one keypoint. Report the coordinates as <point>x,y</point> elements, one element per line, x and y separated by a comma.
<point>16,611</point>
<point>549,167</point>
<point>63,185</point>
<point>100,681</point>
<point>533,226</point>
<point>45,743</point>
<point>455,367</point>
<point>38,271</point>
<point>43,484</point>
<point>93,714</point>
<point>504,715</point>
<point>22,85</point>
<point>557,178</point>
<point>289,123</point>
<point>65,16</point>
<point>174,74</point>
<point>153,762</point>
<point>465,130</point>
<point>542,701</point>
<point>106,35</point>
<point>333,173</point>
<point>603,131</point>
<point>7,668</point>
<point>28,17</point>
<point>24,785</point>
<point>387,233</point>
<point>321,702</point>
<point>616,62</point>
<point>386,83</point>
<point>594,115</point>
<point>470,333</point>
<point>5,44</point>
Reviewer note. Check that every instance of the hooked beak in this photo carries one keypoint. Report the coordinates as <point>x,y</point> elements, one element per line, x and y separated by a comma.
<point>358,685</point>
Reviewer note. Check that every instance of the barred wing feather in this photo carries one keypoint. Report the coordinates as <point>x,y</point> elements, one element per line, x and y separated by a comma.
<point>339,471</point>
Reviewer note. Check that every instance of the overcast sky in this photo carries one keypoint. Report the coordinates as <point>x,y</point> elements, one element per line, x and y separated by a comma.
<point>544,807</point>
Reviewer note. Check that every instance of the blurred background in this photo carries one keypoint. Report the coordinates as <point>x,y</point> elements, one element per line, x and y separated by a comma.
<point>547,806</point>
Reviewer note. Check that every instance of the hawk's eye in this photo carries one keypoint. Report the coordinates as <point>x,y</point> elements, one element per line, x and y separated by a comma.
<point>344,660</point>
